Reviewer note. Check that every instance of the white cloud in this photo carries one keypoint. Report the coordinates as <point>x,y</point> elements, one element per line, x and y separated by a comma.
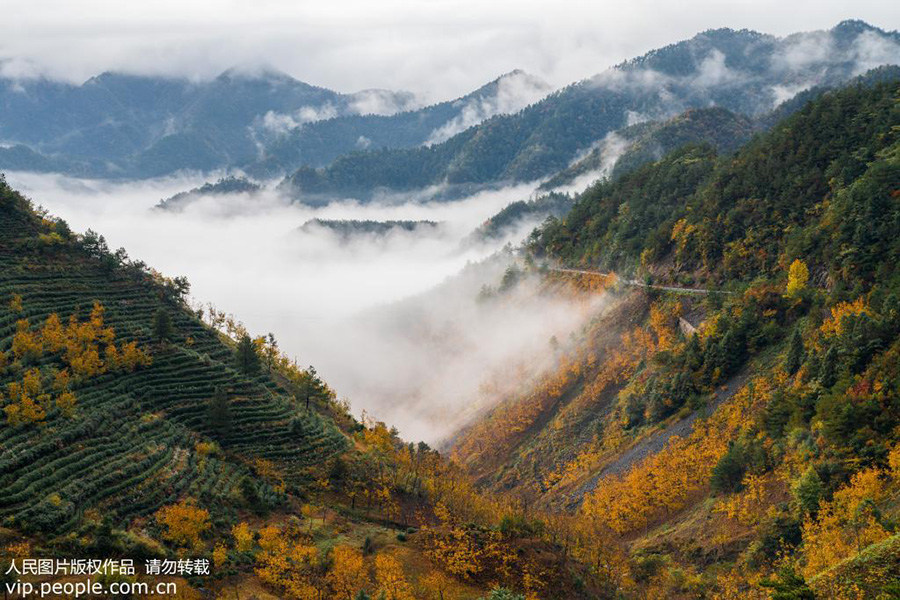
<point>329,301</point>
<point>803,51</point>
<point>782,93</point>
<point>514,92</point>
<point>279,123</point>
<point>382,102</point>
<point>611,148</point>
<point>712,71</point>
<point>635,118</point>
<point>872,50</point>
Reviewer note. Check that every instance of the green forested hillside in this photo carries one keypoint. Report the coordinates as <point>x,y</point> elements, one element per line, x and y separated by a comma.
<point>651,141</point>
<point>746,439</point>
<point>319,143</point>
<point>731,218</point>
<point>119,125</point>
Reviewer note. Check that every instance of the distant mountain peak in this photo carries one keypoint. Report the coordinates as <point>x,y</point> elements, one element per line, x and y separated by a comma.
<point>259,72</point>
<point>853,27</point>
<point>514,76</point>
<point>728,32</point>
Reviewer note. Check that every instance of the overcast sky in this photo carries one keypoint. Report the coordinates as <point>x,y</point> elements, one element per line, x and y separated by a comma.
<point>436,48</point>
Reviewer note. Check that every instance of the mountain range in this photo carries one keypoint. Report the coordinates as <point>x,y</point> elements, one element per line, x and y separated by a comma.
<point>745,72</point>
<point>267,125</point>
<point>132,126</point>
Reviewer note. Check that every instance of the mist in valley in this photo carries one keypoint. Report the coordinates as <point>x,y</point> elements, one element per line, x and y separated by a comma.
<point>391,319</point>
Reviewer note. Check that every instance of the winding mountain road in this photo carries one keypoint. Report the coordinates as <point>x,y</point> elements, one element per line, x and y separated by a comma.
<point>636,283</point>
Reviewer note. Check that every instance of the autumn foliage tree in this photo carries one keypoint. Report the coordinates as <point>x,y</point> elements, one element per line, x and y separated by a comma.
<point>390,579</point>
<point>798,277</point>
<point>289,563</point>
<point>184,523</point>
<point>348,574</point>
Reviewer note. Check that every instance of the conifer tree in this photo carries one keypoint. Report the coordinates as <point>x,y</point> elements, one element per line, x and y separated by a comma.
<point>828,370</point>
<point>795,353</point>
<point>313,387</point>
<point>162,325</point>
<point>808,490</point>
<point>246,358</point>
<point>219,413</point>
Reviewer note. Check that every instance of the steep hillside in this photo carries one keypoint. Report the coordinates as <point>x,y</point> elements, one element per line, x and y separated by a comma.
<point>732,419</point>
<point>79,321</point>
<point>741,71</point>
<point>634,146</point>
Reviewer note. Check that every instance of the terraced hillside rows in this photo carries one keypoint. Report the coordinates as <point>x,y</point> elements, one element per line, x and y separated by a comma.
<point>136,439</point>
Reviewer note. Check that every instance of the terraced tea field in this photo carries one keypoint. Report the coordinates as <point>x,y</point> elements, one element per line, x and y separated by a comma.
<point>131,445</point>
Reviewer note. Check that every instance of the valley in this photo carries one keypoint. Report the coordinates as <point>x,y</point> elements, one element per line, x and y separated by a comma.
<point>634,338</point>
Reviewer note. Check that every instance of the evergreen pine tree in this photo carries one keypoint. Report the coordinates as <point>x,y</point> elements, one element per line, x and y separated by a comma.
<point>313,387</point>
<point>795,353</point>
<point>162,325</point>
<point>219,413</point>
<point>808,490</point>
<point>251,496</point>
<point>246,358</point>
<point>828,370</point>
<point>728,474</point>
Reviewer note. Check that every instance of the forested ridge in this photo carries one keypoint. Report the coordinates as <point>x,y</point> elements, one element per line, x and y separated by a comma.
<point>732,70</point>
<point>742,444</point>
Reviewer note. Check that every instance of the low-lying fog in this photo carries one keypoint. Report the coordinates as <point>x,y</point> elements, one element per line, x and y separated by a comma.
<point>392,321</point>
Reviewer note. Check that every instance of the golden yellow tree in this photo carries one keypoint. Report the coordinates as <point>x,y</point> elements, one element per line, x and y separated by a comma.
<point>456,551</point>
<point>288,564</point>
<point>220,556</point>
<point>27,399</point>
<point>847,524</point>
<point>834,325</point>
<point>348,572</point>
<point>131,357</point>
<point>184,523</point>
<point>894,462</point>
<point>65,402</point>
<point>15,303</point>
<point>26,343</point>
<point>798,277</point>
<point>53,334</point>
<point>243,537</point>
<point>391,581</point>
<point>435,585</point>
